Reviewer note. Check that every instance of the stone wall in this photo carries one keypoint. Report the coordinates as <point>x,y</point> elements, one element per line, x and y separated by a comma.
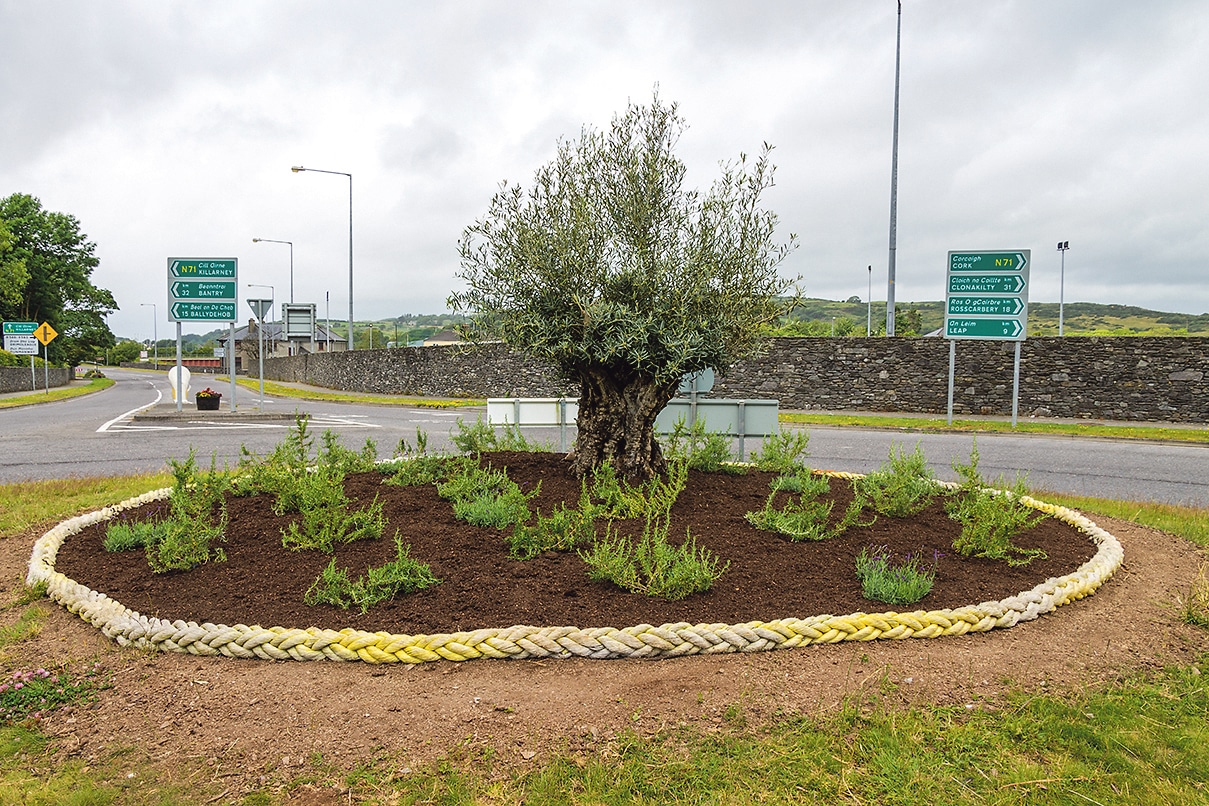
<point>1144,379</point>
<point>17,379</point>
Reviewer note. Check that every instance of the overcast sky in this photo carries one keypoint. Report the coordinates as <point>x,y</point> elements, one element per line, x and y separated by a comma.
<point>169,128</point>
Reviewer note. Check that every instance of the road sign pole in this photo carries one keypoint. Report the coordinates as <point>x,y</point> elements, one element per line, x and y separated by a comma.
<point>1016,386</point>
<point>180,387</point>
<point>952,364</point>
<point>46,365</point>
<point>231,365</point>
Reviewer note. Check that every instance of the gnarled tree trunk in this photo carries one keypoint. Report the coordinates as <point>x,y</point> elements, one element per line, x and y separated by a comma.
<point>617,424</point>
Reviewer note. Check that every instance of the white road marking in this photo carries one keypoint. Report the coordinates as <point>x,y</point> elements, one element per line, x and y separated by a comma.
<point>159,395</point>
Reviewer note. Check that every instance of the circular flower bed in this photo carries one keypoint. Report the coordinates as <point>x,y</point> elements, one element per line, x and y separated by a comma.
<point>130,628</point>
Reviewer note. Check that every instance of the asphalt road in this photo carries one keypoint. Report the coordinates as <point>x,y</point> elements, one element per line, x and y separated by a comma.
<point>97,435</point>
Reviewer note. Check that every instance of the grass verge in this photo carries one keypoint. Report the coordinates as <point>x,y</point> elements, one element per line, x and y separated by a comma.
<point>34,503</point>
<point>281,390</point>
<point>940,425</point>
<point>95,385</point>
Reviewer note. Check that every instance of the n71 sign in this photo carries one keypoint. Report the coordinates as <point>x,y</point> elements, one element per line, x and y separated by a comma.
<point>202,289</point>
<point>987,295</point>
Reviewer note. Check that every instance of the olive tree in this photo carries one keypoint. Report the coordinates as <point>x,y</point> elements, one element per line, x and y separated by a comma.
<point>609,269</point>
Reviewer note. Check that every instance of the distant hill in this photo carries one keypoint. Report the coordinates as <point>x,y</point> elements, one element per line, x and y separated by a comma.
<point>818,317</point>
<point>1079,319</point>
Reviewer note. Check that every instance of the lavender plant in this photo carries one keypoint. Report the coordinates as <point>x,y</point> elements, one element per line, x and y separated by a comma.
<point>898,583</point>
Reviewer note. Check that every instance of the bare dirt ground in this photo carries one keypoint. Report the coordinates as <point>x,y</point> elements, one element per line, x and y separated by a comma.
<point>232,727</point>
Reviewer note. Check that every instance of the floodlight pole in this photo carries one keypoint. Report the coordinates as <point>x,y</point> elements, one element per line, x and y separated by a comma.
<point>1062,247</point>
<point>894,182</point>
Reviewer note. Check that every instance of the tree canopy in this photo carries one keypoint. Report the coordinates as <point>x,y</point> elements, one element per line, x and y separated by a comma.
<point>46,265</point>
<point>610,269</point>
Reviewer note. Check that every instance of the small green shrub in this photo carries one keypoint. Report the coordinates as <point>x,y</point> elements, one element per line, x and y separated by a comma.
<point>651,565</point>
<point>783,452</point>
<point>469,480</point>
<point>991,517</point>
<point>324,517</point>
<point>400,576</point>
<point>483,437</point>
<point>129,535</point>
<point>333,454</point>
<point>484,496</point>
<point>619,499</point>
<point>708,452</point>
<point>419,470</point>
<point>183,539</point>
<point>809,485</point>
<point>501,509</point>
<point>902,487</point>
<point>565,529</point>
<point>804,517</point>
<point>902,583</point>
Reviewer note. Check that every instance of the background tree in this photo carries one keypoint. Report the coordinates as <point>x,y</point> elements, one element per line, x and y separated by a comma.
<point>608,268</point>
<point>45,268</point>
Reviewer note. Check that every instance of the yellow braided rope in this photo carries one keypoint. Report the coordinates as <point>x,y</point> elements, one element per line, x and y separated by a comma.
<point>129,628</point>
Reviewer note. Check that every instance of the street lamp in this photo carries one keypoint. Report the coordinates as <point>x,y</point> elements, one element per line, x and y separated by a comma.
<point>291,244</point>
<point>1062,247</point>
<point>894,183</point>
<point>154,329</point>
<point>299,169</point>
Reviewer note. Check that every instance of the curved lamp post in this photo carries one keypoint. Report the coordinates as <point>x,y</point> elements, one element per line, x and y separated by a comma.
<point>299,169</point>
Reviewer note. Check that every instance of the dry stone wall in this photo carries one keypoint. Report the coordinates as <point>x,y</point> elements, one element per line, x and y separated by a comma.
<point>17,379</point>
<point>1143,379</point>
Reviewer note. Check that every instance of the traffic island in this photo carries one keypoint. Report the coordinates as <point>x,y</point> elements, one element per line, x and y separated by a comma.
<point>167,413</point>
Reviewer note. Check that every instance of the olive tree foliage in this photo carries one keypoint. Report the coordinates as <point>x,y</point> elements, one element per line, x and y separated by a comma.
<point>610,270</point>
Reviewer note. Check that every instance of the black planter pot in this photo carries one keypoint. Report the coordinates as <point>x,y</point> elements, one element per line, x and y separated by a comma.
<point>207,403</point>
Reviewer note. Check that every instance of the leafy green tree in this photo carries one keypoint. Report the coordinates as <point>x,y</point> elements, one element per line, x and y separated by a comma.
<point>45,268</point>
<point>623,279</point>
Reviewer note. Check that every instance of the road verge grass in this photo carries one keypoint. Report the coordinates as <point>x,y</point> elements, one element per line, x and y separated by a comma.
<point>282,390</point>
<point>940,425</point>
<point>61,393</point>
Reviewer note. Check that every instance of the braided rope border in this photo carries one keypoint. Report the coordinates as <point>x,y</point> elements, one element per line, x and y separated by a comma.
<point>129,628</point>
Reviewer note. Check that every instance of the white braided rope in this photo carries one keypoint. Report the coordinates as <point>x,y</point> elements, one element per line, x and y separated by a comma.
<point>129,628</point>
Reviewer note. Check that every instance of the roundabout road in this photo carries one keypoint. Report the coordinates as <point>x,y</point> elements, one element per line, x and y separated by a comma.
<point>97,435</point>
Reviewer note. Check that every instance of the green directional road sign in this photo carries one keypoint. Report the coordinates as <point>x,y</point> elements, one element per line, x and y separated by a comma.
<point>987,295</point>
<point>985,306</point>
<point>202,289</point>
<point>988,261</point>
<point>969,328</point>
<point>194,268</point>
<point>19,338</point>
<point>986,283</point>
<point>202,311</point>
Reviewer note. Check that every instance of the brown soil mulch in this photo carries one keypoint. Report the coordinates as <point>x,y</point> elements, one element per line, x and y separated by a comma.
<point>769,576</point>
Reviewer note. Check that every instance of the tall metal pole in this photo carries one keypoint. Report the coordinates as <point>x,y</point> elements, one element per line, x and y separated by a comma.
<point>1062,247</point>
<point>300,169</point>
<point>894,182</point>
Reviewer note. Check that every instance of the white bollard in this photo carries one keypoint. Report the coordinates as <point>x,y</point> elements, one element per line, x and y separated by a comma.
<point>180,391</point>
